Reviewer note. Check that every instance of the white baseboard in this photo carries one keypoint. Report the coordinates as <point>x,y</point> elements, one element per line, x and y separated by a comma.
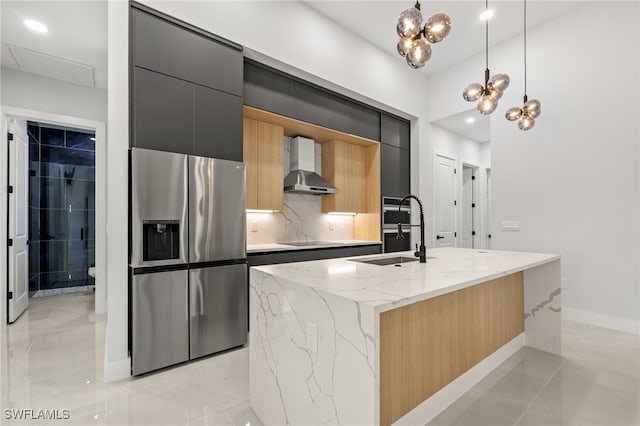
<point>116,370</point>
<point>600,320</point>
<point>440,400</point>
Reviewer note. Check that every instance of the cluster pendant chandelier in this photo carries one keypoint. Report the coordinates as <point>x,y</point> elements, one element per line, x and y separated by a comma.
<point>493,86</point>
<point>531,109</point>
<point>417,36</point>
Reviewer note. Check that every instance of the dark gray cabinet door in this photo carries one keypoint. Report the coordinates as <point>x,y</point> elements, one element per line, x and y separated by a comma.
<point>173,50</point>
<point>268,90</point>
<point>364,122</point>
<point>162,112</point>
<point>218,124</point>
<point>319,107</point>
<point>395,171</point>
<point>395,131</point>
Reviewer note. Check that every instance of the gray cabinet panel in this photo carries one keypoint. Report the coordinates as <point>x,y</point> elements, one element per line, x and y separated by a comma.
<point>170,49</point>
<point>364,122</point>
<point>268,90</point>
<point>395,171</point>
<point>395,131</point>
<point>162,112</point>
<point>319,107</point>
<point>218,124</point>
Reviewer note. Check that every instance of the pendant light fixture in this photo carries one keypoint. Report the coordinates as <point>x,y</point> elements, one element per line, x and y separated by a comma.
<point>493,87</point>
<point>531,109</point>
<point>417,36</point>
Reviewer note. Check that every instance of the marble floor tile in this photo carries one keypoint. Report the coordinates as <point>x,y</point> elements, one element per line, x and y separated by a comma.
<point>52,358</point>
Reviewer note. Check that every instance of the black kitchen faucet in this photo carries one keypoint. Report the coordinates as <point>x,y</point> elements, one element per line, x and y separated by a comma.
<point>420,252</point>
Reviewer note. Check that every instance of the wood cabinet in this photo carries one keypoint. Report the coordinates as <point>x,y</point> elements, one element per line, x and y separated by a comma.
<point>355,170</point>
<point>344,165</point>
<point>262,153</point>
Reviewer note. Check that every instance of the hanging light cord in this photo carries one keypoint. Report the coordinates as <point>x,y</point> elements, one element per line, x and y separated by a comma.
<point>486,45</point>
<point>525,51</point>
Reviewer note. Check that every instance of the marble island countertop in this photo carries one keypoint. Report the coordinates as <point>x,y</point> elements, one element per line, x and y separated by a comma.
<point>388,287</point>
<point>275,247</point>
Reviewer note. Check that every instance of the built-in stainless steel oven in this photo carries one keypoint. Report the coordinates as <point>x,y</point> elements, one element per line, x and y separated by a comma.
<point>390,219</point>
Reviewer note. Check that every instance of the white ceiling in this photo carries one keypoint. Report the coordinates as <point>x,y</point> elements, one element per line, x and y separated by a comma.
<point>478,130</point>
<point>77,32</point>
<point>375,21</point>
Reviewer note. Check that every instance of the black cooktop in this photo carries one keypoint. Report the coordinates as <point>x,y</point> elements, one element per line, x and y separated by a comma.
<point>309,243</point>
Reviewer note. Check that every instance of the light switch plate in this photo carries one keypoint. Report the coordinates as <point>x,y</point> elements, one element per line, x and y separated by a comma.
<point>511,225</point>
<point>254,226</point>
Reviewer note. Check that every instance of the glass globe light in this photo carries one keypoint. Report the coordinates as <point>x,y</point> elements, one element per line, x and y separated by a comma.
<point>526,122</point>
<point>409,23</point>
<point>513,114</point>
<point>419,53</point>
<point>494,93</point>
<point>473,92</point>
<point>437,27</point>
<point>499,82</point>
<point>487,104</point>
<point>404,44</point>
<point>532,108</point>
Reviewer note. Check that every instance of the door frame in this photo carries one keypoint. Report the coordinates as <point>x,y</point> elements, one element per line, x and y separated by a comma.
<point>99,127</point>
<point>456,189</point>
<point>476,217</point>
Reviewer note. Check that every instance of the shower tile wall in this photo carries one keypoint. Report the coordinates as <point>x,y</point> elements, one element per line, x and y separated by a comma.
<point>62,207</point>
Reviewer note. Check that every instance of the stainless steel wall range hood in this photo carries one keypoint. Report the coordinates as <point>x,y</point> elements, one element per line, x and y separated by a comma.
<point>302,179</point>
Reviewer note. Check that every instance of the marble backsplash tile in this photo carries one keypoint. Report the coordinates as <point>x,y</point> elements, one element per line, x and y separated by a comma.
<point>300,220</point>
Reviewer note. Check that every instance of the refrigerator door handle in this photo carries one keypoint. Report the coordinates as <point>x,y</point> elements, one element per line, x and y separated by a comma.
<point>196,296</point>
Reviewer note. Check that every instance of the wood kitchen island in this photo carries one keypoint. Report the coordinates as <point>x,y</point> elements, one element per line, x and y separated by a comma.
<point>344,342</point>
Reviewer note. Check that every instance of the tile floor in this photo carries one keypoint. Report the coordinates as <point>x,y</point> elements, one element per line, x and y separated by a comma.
<point>52,357</point>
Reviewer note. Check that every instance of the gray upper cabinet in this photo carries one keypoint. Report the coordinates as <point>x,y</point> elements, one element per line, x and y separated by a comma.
<point>267,90</point>
<point>395,131</point>
<point>364,121</point>
<point>218,124</point>
<point>186,91</point>
<point>280,93</point>
<point>162,112</point>
<point>316,106</point>
<point>396,173</point>
<point>165,47</point>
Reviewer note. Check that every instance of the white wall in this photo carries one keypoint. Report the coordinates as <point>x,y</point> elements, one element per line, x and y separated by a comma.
<point>30,91</point>
<point>289,32</point>
<point>573,180</point>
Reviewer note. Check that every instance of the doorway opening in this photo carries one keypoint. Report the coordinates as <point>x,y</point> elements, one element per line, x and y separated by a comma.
<point>61,209</point>
<point>469,203</point>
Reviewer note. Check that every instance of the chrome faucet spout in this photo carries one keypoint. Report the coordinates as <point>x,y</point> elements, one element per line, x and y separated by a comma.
<point>421,251</point>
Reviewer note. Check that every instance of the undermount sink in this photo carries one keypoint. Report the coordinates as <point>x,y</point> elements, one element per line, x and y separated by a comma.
<point>383,261</point>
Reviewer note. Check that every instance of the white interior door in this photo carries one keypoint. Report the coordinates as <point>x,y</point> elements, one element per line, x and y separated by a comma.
<point>445,202</point>
<point>467,204</point>
<point>18,213</point>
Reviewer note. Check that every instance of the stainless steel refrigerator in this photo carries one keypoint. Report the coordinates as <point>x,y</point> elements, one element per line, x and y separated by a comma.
<point>188,287</point>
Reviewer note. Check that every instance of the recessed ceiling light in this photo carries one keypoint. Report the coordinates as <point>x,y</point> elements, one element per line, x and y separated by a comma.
<point>486,15</point>
<point>471,120</point>
<point>36,26</point>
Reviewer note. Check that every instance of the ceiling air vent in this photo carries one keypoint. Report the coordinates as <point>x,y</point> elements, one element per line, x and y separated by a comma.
<point>35,62</point>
